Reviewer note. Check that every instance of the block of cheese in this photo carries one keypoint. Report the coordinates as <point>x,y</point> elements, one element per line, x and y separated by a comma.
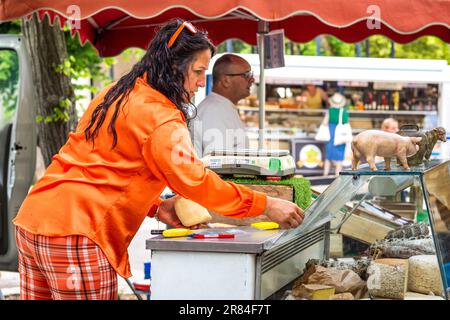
<point>424,275</point>
<point>314,291</point>
<point>388,278</point>
<point>177,232</point>
<point>342,296</point>
<point>191,213</point>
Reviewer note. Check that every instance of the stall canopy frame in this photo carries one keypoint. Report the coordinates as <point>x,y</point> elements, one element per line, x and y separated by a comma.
<point>113,26</point>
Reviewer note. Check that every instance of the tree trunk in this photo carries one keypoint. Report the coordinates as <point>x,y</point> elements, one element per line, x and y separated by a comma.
<point>47,48</point>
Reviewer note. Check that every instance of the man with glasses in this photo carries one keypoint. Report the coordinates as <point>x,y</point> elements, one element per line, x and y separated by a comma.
<point>217,124</point>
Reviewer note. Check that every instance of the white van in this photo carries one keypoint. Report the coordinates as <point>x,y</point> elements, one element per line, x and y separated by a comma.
<point>17,140</point>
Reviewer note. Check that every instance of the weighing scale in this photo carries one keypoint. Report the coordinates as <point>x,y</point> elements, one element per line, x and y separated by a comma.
<point>276,163</point>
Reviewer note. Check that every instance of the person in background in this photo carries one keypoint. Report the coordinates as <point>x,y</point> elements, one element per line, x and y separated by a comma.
<point>335,154</point>
<point>315,97</point>
<point>390,125</point>
<point>74,227</point>
<point>218,124</point>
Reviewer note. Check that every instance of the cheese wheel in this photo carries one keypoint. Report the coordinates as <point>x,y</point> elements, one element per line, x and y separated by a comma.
<point>191,213</point>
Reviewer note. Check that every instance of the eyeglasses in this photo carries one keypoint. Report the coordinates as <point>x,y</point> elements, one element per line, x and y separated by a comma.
<point>174,37</point>
<point>247,75</point>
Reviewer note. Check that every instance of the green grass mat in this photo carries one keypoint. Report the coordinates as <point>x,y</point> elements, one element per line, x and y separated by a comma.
<point>302,187</point>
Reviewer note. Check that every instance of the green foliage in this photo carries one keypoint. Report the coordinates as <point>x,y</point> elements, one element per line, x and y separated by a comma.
<point>60,113</point>
<point>132,54</point>
<point>427,47</point>
<point>9,79</point>
<point>335,47</point>
<point>84,62</point>
<point>238,47</point>
<point>9,74</point>
<point>379,47</point>
<point>10,27</point>
<point>308,48</point>
<point>424,48</point>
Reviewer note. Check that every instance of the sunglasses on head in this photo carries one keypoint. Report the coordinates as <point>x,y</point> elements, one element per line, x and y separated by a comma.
<point>174,37</point>
<point>247,75</point>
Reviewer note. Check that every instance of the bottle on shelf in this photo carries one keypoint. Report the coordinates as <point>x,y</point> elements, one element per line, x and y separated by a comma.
<point>396,100</point>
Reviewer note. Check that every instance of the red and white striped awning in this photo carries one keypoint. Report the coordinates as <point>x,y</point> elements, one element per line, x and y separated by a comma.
<point>113,26</point>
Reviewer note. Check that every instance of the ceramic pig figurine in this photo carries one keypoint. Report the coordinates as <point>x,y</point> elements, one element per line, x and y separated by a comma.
<point>371,143</point>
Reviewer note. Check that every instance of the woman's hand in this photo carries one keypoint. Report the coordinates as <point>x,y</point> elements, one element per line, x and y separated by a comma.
<point>286,213</point>
<point>167,214</point>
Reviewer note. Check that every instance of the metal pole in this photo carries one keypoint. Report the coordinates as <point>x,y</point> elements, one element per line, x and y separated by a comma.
<point>318,45</point>
<point>367,48</point>
<point>229,45</point>
<point>358,49</point>
<point>392,49</point>
<point>263,28</point>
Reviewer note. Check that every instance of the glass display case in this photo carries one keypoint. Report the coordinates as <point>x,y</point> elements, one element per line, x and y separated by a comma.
<point>400,198</point>
<point>263,264</point>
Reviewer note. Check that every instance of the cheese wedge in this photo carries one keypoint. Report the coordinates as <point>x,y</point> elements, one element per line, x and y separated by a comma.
<point>191,213</point>
<point>315,292</point>
<point>265,225</point>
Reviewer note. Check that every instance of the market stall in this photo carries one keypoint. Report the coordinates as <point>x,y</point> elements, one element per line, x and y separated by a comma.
<point>114,26</point>
<point>408,255</point>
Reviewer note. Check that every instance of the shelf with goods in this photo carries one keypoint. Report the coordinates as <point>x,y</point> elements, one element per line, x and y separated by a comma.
<point>291,125</point>
<point>368,103</point>
<point>357,112</point>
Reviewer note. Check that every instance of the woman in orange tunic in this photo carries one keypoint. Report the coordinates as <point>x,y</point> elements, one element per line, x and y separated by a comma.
<point>74,227</point>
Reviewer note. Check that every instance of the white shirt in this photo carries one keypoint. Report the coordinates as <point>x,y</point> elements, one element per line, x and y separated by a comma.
<point>217,126</point>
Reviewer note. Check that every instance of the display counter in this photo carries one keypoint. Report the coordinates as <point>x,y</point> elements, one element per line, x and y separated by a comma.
<point>253,265</point>
<point>260,264</point>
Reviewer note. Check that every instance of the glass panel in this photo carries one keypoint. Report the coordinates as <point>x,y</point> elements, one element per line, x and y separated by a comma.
<point>395,169</point>
<point>437,185</point>
<point>387,211</point>
<point>365,194</point>
<point>9,80</point>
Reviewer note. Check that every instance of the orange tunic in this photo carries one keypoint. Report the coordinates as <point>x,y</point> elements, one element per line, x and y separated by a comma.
<point>105,194</point>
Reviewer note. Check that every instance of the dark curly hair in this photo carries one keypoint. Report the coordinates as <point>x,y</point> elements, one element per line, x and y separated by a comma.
<point>166,71</point>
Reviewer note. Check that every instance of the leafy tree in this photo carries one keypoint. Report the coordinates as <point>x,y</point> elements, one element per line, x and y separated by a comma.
<point>335,47</point>
<point>84,62</point>
<point>9,80</point>
<point>79,62</point>
<point>424,48</point>
<point>55,99</point>
<point>9,73</point>
<point>239,46</point>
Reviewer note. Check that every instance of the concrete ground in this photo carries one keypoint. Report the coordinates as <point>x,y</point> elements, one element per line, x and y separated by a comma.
<point>9,281</point>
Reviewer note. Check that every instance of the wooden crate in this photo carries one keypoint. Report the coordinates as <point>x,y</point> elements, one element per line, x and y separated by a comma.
<point>361,228</point>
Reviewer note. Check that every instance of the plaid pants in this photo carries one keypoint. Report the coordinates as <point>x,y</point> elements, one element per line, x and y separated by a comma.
<point>63,268</point>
